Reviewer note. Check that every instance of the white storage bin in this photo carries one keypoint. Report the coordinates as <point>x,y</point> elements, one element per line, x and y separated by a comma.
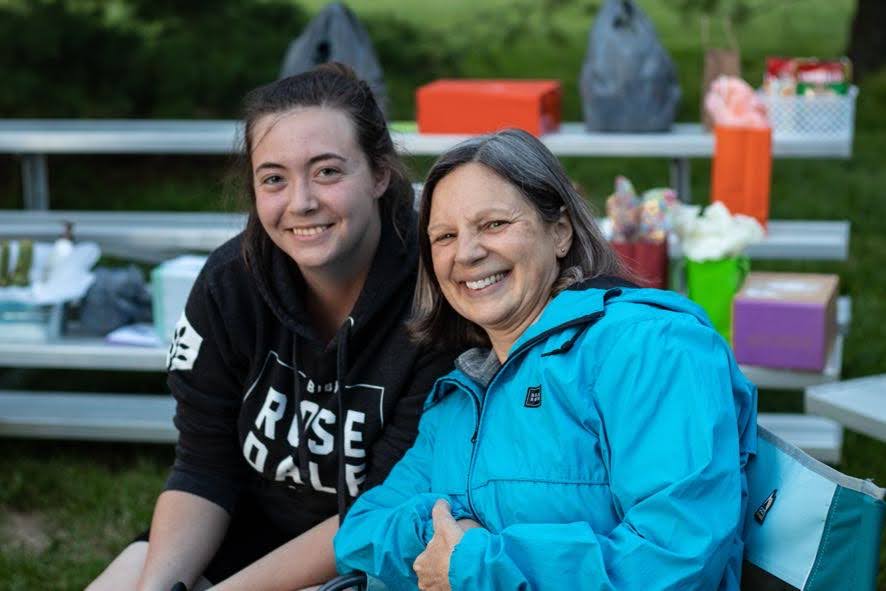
<point>831,115</point>
<point>171,284</point>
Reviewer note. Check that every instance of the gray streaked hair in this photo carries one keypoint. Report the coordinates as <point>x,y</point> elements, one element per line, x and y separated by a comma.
<point>526,163</point>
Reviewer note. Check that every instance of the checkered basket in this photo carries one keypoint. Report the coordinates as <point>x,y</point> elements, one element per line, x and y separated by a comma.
<point>812,115</point>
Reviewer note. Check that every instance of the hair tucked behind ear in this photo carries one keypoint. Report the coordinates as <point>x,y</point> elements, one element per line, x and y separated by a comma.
<point>523,161</point>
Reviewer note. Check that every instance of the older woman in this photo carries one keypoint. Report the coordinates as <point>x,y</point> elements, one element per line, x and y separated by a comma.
<point>593,436</point>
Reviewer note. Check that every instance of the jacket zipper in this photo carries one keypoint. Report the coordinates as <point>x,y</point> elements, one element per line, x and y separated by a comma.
<point>481,407</point>
<point>478,409</point>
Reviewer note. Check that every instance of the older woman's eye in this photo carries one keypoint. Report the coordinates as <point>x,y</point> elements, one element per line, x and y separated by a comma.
<point>495,224</point>
<point>442,237</point>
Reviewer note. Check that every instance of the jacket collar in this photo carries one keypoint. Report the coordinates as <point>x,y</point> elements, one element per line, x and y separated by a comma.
<point>565,316</point>
<point>581,304</point>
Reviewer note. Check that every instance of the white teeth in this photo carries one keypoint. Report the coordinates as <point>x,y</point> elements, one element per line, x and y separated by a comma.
<point>486,282</point>
<point>312,231</point>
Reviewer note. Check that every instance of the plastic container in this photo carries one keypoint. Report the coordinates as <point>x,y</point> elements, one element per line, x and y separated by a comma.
<point>25,323</point>
<point>830,115</point>
<point>171,283</point>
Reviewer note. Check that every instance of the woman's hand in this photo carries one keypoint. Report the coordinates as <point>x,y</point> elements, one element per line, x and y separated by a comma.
<point>432,565</point>
<point>466,524</point>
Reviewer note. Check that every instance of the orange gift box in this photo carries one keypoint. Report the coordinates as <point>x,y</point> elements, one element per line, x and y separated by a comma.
<point>741,172</point>
<point>482,106</point>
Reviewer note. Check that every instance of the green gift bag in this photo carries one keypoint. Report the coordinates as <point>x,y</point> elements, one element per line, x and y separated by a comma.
<point>713,284</point>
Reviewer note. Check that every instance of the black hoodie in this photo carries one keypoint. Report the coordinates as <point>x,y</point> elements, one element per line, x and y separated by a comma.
<point>244,337</point>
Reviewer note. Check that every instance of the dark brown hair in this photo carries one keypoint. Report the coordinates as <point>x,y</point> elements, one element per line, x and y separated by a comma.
<point>334,86</point>
<point>524,162</point>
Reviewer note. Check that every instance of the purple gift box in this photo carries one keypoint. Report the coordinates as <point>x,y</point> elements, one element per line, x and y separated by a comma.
<point>785,320</point>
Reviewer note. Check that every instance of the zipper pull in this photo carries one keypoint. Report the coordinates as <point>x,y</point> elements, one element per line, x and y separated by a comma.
<point>474,436</point>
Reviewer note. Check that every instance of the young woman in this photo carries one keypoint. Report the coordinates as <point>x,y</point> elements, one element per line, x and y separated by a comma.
<point>296,383</point>
<point>593,436</point>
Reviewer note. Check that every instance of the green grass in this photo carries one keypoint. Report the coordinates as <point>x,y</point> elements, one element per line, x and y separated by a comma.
<point>88,500</point>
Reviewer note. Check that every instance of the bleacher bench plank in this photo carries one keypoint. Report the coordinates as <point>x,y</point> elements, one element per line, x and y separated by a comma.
<point>820,437</point>
<point>148,419</point>
<point>154,236</point>
<point>82,353</point>
<point>858,404</point>
<point>89,417</point>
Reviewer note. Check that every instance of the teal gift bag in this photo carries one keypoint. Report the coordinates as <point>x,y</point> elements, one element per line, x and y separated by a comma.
<point>807,526</point>
<point>713,285</point>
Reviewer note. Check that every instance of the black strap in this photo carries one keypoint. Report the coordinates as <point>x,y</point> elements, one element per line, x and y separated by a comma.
<point>754,578</point>
<point>602,282</point>
<point>341,368</point>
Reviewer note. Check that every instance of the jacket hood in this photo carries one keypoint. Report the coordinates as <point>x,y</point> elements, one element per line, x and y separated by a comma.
<point>569,312</point>
<point>586,301</point>
<point>393,268</point>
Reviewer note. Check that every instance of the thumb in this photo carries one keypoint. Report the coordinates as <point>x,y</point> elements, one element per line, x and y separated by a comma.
<point>444,522</point>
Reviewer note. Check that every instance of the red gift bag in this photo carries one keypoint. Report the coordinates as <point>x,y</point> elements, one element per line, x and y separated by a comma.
<point>741,173</point>
<point>648,261</point>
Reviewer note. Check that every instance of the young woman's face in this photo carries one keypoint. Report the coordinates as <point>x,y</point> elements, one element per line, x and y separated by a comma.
<point>494,257</point>
<point>315,193</point>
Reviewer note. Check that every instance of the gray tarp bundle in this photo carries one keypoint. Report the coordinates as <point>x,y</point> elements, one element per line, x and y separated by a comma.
<point>628,81</point>
<point>335,35</point>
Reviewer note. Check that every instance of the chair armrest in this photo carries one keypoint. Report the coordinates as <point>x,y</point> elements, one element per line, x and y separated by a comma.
<point>356,581</point>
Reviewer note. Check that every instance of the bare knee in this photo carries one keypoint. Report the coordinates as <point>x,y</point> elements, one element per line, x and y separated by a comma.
<point>124,571</point>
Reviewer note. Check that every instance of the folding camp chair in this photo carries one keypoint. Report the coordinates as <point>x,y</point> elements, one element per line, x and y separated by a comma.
<point>807,528</point>
<point>353,581</point>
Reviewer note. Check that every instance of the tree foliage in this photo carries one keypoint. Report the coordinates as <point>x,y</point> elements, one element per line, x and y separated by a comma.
<point>160,58</point>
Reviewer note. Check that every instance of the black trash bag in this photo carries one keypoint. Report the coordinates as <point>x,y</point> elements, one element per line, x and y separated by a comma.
<point>118,297</point>
<point>335,35</point>
<point>628,81</point>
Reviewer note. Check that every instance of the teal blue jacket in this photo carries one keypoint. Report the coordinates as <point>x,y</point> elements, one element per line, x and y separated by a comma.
<point>607,452</point>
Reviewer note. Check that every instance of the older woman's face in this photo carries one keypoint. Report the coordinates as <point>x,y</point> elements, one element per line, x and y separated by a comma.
<point>494,257</point>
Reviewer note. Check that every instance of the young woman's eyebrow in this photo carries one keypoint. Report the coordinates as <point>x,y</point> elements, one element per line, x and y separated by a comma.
<point>311,161</point>
<point>271,165</point>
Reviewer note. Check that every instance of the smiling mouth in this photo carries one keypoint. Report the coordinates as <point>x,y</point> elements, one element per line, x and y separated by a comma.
<point>485,282</point>
<point>311,230</point>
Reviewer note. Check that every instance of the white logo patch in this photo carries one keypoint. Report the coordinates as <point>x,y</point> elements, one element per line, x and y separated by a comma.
<point>185,346</point>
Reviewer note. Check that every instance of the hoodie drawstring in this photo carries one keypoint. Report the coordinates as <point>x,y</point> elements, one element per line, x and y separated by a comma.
<point>302,448</point>
<point>341,367</point>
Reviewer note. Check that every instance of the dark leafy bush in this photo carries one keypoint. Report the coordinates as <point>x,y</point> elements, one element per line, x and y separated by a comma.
<point>57,62</point>
<point>167,59</point>
<point>200,61</point>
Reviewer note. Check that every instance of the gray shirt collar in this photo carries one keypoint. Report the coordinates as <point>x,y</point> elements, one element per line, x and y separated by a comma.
<point>479,364</point>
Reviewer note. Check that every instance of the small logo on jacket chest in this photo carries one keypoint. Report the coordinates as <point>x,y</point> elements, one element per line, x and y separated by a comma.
<point>533,397</point>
